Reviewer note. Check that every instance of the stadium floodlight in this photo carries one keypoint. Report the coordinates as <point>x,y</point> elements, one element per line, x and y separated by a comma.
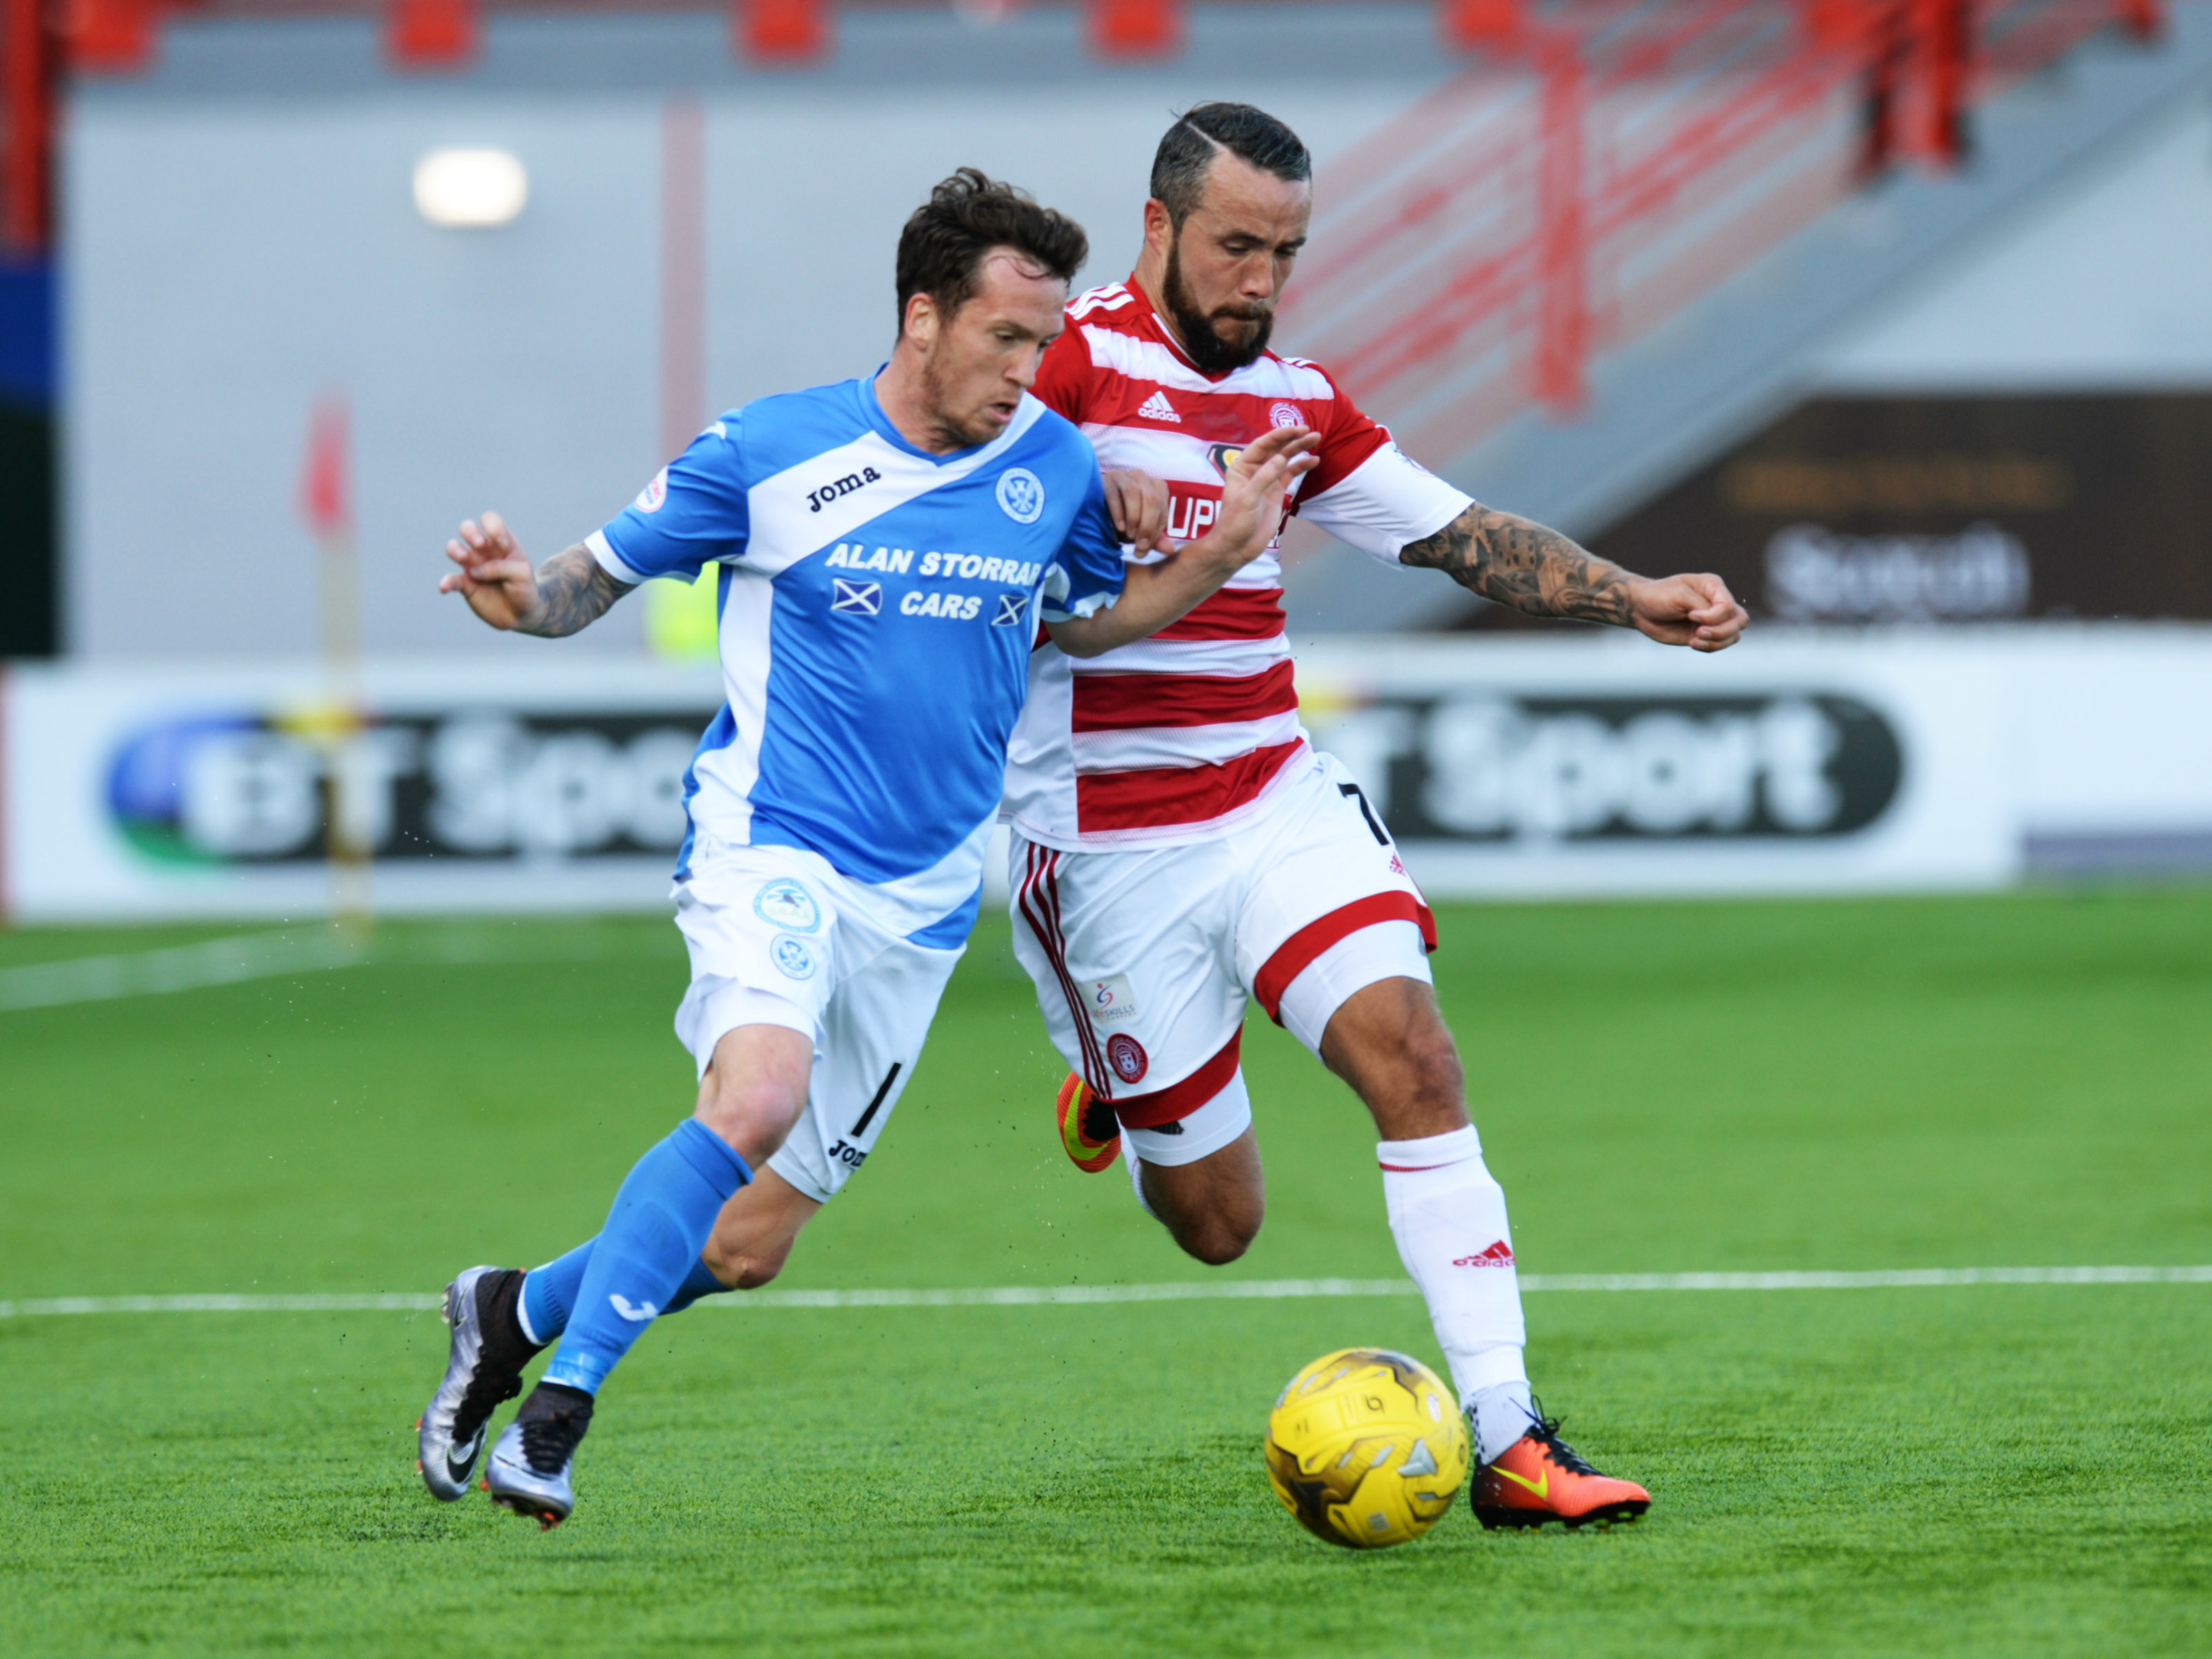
<point>469,188</point>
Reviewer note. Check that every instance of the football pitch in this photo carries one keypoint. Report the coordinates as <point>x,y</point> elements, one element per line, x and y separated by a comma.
<point>2002,1468</point>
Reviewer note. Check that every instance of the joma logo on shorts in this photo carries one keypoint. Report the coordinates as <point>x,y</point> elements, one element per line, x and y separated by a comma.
<point>816,499</point>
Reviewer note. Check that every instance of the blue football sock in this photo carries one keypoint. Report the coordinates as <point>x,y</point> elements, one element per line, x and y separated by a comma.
<point>549,1291</point>
<point>697,1283</point>
<point>647,1250</point>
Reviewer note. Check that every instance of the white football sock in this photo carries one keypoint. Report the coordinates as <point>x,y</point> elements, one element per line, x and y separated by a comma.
<point>1498,1416</point>
<point>1448,1214</point>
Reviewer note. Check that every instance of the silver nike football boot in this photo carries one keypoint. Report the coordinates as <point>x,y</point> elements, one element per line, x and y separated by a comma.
<point>528,1471</point>
<point>483,1368</point>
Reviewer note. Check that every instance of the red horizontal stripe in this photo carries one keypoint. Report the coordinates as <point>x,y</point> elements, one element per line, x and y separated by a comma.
<point>1179,1100</point>
<point>1419,1168</point>
<point>1125,702</point>
<point>1296,954</point>
<point>1175,794</point>
<point>1233,613</point>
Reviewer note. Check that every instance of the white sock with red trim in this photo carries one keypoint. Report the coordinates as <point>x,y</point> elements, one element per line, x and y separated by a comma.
<point>1448,1214</point>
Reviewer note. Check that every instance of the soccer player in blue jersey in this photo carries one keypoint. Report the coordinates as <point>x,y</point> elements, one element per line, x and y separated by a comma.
<point>887,548</point>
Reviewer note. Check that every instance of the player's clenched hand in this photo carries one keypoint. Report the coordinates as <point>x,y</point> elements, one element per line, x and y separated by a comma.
<point>1697,612</point>
<point>1138,502</point>
<point>494,577</point>
<point>1252,494</point>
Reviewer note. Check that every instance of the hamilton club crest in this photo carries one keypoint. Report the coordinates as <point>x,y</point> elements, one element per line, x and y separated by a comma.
<point>1021,493</point>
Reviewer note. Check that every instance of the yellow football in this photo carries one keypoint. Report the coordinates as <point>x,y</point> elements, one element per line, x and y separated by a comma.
<point>1367,1448</point>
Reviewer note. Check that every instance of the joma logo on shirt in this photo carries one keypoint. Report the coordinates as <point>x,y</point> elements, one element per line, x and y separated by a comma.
<point>816,499</point>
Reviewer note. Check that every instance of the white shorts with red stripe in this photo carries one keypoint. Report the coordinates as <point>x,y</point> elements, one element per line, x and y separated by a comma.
<point>1144,959</point>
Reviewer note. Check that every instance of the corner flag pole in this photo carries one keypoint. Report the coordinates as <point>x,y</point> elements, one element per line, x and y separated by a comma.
<point>327,501</point>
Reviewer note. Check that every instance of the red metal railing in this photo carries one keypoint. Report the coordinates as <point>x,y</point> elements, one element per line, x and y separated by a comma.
<point>1611,159</point>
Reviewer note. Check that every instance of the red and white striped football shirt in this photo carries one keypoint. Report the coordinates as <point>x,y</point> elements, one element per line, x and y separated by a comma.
<point>1168,740</point>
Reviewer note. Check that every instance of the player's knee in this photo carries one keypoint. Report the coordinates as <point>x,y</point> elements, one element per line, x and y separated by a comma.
<point>748,1266</point>
<point>752,1113</point>
<point>1216,1246</point>
<point>758,1268</point>
<point>1216,1236</point>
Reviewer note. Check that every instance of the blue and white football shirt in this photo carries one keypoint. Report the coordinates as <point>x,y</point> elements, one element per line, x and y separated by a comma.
<point>876,607</point>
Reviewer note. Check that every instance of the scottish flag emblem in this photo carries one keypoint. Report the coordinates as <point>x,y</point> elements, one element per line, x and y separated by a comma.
<point>865,598</point>
<point>1011,608</point>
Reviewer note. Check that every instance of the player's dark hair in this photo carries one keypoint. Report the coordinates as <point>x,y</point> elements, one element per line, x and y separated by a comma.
<point>940,251</point>
<point>1180,166</point>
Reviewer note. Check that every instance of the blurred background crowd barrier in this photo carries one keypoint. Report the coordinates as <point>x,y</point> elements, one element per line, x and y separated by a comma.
<point>1894,313</point>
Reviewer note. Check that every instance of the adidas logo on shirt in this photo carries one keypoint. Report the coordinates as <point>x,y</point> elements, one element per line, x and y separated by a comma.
<point>1158,408</point>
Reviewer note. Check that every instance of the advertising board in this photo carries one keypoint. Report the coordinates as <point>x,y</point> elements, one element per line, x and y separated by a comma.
<point>1802,761</point>
<point>211,791</point>
<point>1545,767</point>
<point>1962,508</point>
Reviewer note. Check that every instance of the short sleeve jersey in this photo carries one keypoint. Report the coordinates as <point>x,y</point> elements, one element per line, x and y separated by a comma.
<point>876,605</point>
<point>1172,738</point>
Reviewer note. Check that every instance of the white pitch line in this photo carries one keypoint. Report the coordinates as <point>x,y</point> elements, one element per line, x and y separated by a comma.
<point>243,957</point>
<point>176,967</point>
<point>1225,1289</point>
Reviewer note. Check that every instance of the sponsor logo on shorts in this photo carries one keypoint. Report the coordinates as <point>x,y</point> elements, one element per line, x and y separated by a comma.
<point>784,903</point>
<point>792,957</point>
<point>1499,1255</point>
<point>1021,493</point>
<point>1110,998</point>
<point>847,1153</point>
<point>1128,1057</point>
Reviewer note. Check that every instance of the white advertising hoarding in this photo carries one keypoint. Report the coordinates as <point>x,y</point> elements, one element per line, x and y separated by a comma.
<point>1543,766</point>
<point>205,791</point>
<point>1799,762</point>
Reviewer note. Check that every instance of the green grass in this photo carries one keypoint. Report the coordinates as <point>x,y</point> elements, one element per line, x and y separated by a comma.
<point>2023,1080</point>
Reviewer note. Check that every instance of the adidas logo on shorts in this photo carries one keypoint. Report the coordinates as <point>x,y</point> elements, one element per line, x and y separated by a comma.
<point>1158,408</point>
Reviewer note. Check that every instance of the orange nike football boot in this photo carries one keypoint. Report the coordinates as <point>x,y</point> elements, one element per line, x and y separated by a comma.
<point>1089,1132</point>
<point>1541,1477</point>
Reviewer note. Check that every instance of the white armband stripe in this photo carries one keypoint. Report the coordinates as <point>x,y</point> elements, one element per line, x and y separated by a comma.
<point>611,561</point>
<point>1384,502</point>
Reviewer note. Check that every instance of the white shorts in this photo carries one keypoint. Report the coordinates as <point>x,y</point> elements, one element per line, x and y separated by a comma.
<point>778,937</point>
<point>1142,960</point>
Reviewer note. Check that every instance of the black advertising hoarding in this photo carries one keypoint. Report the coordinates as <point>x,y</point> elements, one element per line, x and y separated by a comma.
<point>1493,767</point>
<point>1921,509</point>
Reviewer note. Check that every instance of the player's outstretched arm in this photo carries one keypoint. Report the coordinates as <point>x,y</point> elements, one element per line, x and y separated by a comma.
<point>1513,560</point>
<point>1154,595</point>
<point>571,591</point>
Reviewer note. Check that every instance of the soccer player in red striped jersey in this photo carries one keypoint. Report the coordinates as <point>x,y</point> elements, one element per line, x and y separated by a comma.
<point>1179,844</point>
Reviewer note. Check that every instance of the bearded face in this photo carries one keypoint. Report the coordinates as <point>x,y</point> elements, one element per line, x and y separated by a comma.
<point>1229,336</point>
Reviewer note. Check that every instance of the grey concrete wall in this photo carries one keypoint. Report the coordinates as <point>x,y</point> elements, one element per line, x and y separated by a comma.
<point>241,239</point>
<point>2104,284</point>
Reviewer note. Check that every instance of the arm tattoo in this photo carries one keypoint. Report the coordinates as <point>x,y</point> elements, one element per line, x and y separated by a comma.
<point>574,591</point>
<point>1510,561</point>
